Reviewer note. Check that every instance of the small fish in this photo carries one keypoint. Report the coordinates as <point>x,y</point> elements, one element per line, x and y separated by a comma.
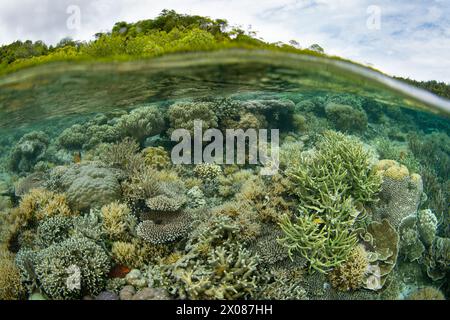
<point>318,221</point>
<point>77,157</point>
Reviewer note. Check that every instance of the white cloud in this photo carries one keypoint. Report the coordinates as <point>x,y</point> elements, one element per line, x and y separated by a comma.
<point>414,38</point>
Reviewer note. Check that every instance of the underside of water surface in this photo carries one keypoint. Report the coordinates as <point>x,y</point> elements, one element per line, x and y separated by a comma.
<point>93,206</point>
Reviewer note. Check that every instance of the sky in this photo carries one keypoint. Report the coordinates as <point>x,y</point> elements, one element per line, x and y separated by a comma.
<point>409,38</point>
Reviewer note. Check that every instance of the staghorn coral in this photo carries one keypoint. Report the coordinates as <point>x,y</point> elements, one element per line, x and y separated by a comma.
<point>183,114</point>
<point>55,266</point>
<point>400,192</point>
<point>118,221</point>
<point>331,185</point>
<point>346,118</point>
<point>141,123</point>
<point>89,185</point>
<point>10,283</point>
<point>350,275</point>
<point>37,205</point>
<point>341,165</point>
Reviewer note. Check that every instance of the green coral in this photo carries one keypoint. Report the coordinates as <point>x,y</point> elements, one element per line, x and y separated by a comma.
<point>331,184</point>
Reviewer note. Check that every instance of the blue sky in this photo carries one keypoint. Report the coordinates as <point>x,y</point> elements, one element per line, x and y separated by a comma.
<point>408,38</point>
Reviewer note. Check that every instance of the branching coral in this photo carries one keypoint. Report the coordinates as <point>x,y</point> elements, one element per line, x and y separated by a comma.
<point>10,282</point>
<point>137,253</point>
<point>165,203</point>
<point>214,266</point>
<point>53,230</point>
<point>329,184</point>
<point>118,221</point>
<point>56,265</point>
<point>426,293</point>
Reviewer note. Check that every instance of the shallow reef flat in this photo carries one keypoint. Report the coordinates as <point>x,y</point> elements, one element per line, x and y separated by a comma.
<point>93,207</point>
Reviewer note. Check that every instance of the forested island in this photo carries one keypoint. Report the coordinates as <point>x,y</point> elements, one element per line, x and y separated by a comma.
<point>169,32</point>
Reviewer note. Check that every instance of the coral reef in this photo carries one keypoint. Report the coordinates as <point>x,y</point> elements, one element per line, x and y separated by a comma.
<point>164,227</point>
<point>214,265</point>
